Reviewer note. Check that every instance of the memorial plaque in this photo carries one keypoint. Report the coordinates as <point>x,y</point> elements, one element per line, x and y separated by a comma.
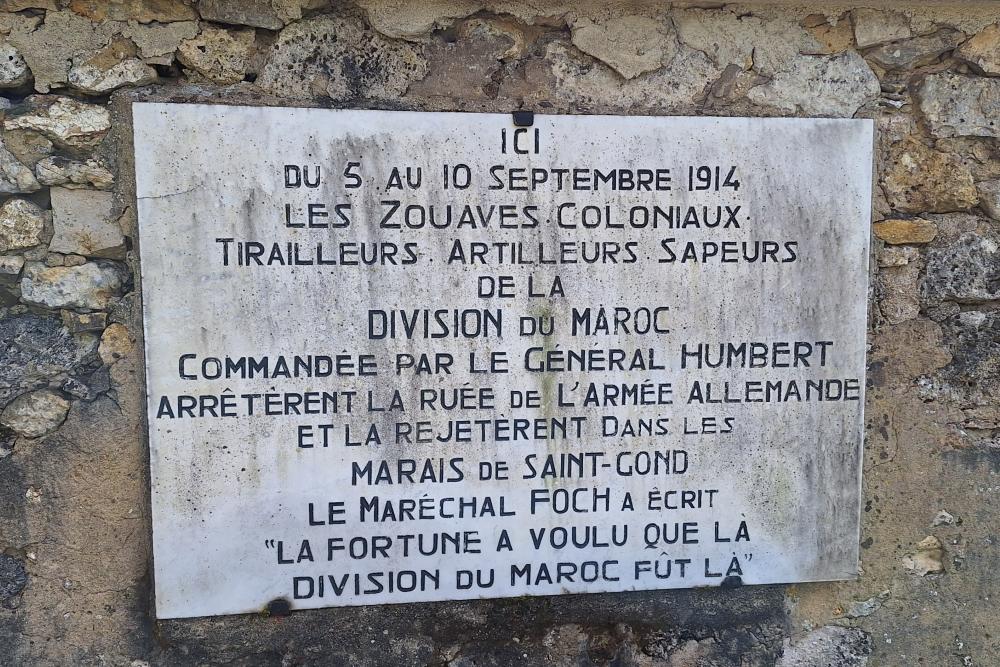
<point>401,357</point>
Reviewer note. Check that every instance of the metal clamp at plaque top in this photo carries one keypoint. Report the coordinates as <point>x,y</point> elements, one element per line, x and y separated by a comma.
<point>523,118</point>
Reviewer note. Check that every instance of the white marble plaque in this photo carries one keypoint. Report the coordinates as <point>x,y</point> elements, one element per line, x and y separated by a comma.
<point>402,357</point>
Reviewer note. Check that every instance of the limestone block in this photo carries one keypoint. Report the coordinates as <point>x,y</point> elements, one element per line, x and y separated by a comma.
<point>961,106</point>
<point>989,198</point>
<point>115,343</point>
<point>14,176</point>
<point>21,225</point>
<point>58,170</point>
<point>10,265</point>
<point>255,13</point>
<point>50,48</point>
<point>899,232</point>
<point>14,72</point>
<point>821,86</point>
<point>917,51</point>
<point>110,69</point>
<point>64,120</point>
<point>983,50</point>
<point>27,146</point>
<point>223,56</point>
<point>35,414</point>
<point>964,271</point>
<point>631,45</point>
<point>83,225</point>
<point>157,42</point>
<point>873,27</point>
<point>338,58</point>
<point>919,179</point>
<point>747,41</point>
<point>92,286</point>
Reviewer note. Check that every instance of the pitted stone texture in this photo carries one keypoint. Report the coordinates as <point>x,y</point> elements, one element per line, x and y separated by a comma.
<point>35,414</point>
<point>873,27</point>
<point>830,646</point>
<point>58,170</point>
<point>50,48</point>
<point>631,45</point>
<point>143,11</point>
<point>110,68</point>
<point>900,232</point>
<point>35,349</point>
<point>917,51</point>
<point>973,375</point>
<point>83,225</point>
<point>920,179</point>
<point>64,120</point>
<point>15,177</point>
<point>966,271</point>
<point>22,225</point>
<point>961,106</point>
<point>92,286</point>
<point>747,41</point>
<point>14,72</point>
<point>983,50</point>
<point>989,198</point>
<point>222,56</point>
<point>821,86</point>
<point>157,42</point>
<point>564,81</point>
<point>337,58</point>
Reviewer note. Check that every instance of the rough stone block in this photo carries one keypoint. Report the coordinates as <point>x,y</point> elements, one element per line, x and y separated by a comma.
<point>82,224</point>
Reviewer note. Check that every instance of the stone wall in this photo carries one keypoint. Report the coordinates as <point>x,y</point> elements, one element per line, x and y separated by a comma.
<point>75,575</point>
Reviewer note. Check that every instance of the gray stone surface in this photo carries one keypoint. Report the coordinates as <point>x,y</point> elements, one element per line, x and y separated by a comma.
<point>22,225</point>
<point>83,224</point>
<point>336,57</point>
<point>917,51</point>
<point>14,72</point>
<point>874,26</point>
<point>35,349</point>
<point>35,414</point>
<point>256,13</point>
<point>652,43</point>
<point>829,646</point>
<point>64,120</point>
<point>961,106</point>
<point>92,286</point>
<point>983,51</point>
<point>222,56</point>
<point>989,198</point>
<point>966,271</point>
<point>821,86</point>
<point>59,170</point>
<point>14,176</point>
